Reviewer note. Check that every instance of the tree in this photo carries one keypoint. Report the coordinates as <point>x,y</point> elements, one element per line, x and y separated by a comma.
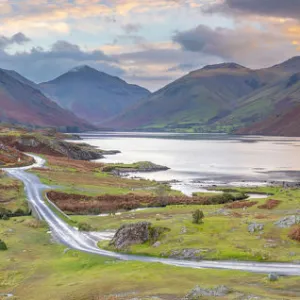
<point>198,216</point>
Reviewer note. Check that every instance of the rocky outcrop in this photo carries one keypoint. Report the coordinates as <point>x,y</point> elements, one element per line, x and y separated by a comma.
<point>143,166</point>
<point>134,234</point>
<point>288,222</point>
<point>37,143</point>
<point>255,227</point>
<point>199,292</point>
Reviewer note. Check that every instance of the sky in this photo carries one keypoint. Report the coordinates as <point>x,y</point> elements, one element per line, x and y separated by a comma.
<point>145,42</point>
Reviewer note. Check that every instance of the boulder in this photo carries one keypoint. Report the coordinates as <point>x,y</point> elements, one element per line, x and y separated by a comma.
<point>273,277</point>
<point>255,227</point>
<point>198,292</point>
<point>288,222</point>
<point>134,234</point>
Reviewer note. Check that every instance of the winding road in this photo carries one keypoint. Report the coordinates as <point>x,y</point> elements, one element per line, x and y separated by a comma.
<point>86,242</point>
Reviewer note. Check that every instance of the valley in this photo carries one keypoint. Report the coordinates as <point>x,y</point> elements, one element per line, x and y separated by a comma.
<point>226,236</point>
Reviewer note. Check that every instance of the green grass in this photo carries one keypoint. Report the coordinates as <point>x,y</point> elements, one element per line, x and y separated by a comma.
<point>221,236</point>
<point>12,196</point>
<point>33,268</point>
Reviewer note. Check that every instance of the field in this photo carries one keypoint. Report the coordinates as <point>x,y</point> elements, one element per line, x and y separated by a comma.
<point>35,268</point>
<point>224,233</point>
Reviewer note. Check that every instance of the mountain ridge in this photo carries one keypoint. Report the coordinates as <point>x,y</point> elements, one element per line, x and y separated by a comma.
<point>22,104</point>
<point>91,94</point>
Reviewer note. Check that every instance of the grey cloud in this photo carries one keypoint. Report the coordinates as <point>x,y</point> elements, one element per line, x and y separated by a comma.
<point>18,38</point>
<point>248,46</point>
<point>276,8</point>
<point>39,64</point>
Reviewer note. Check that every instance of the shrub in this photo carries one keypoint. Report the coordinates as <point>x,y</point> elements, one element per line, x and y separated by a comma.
<point>294,234</point>
<point>5,217</point>
<point>198,216</point>
<point>270,204</point>
<point>3,246</point>
<point>85,227</point>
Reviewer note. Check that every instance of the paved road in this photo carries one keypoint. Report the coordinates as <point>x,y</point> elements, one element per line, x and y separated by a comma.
<point>74,239</point>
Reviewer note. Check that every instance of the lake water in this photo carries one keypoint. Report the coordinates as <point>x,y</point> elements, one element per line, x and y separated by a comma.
<point>201,160</point>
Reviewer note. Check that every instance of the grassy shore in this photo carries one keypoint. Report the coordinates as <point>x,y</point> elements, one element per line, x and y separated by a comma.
<point>224,233</point>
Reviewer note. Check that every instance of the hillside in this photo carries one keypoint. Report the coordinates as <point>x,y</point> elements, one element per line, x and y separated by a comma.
<point>273,100</point>
<point>196,100</point>
<point>22,104</point>
<point>93,95</point>
<point>285,117</point>
<point>216,98</point>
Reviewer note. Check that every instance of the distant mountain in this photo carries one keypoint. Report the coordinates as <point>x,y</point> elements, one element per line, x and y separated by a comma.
<point>93,95</point>
<point>273,99</point>
<point>198,99</point>
<point>215,98</point>
<point>22,104</point>
<point>281,110</point>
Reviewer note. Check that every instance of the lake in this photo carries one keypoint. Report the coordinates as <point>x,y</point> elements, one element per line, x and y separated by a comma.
<point>201,160</point>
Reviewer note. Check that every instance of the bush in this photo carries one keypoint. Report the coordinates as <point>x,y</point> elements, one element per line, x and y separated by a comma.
<point>294,234</point>
<point>3,246</point>
<point>5,217</point>
<point>198,216</point>
<point>85,227</point>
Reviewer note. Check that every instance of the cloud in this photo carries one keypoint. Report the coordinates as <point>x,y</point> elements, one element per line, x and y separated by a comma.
<point>247,45</point>
<point>18,38</point>
<point>275,8</point>
<point>39,64</point>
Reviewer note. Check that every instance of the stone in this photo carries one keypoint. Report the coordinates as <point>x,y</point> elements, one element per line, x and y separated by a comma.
<point>288,222</point>
<point>255,227</point>
<point>183,230</point>
<point>135,234</point>
<point>198,292</point>
<point>156,244</point>
<point>273,277</point>
<point>191,254</point>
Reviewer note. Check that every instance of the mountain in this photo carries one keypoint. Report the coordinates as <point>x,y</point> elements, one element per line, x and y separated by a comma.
<point>285,116</point>
<point>215,98</point>
<point>22,104</point>
<point>272,100</point>
<point>197,99</point>
<point>93,95</point>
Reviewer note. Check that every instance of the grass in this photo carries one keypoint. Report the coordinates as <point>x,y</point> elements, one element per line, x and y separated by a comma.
<point>221,236</point>
<point>12,194</point>
<point>87,178</point>
<point>33,268</point>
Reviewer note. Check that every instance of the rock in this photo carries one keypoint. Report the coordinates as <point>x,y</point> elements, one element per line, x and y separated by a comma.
<point>199,292</point>
<point>138,233</point>
<point>192,254</point>
<point>157,244</point>
<point>183,230</point>
<point>288,222</point>
<point>273,277</point>
<point>255,227</point>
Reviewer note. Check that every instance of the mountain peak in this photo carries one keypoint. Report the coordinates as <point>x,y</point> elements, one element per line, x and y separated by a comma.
<point>83,68</point>
<point>232,66</point>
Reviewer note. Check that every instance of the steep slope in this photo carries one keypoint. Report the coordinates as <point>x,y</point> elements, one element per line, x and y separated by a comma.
<point>197,99</point>
<point>22,104</point>
<point>284,118</point>
<point>275,98</point>
<point>93,95</point>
